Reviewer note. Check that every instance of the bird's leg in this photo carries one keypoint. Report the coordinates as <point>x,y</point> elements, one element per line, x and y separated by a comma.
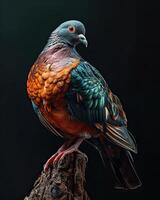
<point>66,146</point>
<point>52,158</point>
<point>72,148</point>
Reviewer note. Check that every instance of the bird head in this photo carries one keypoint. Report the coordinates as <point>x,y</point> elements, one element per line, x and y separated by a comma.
<point>71,32</point>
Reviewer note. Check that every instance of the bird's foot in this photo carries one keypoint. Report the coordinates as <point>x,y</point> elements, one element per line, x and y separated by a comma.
<point>64,153</point>
<point>66,148</point>
<point>50,162</point>
<point>56,157</point>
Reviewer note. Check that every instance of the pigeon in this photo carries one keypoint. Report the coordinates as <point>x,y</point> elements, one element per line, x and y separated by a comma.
<point>73,101</point>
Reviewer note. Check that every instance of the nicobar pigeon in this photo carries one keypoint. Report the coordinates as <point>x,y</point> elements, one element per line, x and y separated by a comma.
<point>73,101</point>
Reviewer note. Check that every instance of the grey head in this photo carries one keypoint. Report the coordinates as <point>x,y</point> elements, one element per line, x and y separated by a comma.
<point>70,32</point>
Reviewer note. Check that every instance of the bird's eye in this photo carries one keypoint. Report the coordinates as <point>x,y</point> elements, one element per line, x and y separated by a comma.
<point>71,29</point>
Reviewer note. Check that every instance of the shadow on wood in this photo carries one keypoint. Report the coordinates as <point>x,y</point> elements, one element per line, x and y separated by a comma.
<point>65,180</point>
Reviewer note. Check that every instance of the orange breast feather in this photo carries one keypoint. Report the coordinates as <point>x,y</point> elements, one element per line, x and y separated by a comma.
<point>46,83</point>
<point>46,87</point>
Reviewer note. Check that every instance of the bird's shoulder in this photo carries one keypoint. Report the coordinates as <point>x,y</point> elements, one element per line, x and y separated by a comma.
<point>89,91</point>
<point>85,70</point>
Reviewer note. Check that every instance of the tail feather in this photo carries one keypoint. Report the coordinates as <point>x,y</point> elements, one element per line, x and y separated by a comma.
<point>123,168</point>
<point>121,162</point>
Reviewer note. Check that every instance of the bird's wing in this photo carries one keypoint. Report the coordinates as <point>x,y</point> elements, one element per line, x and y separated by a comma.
<point>90,99</point>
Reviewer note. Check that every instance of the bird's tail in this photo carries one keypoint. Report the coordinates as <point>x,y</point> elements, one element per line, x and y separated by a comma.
<point>121,162</point>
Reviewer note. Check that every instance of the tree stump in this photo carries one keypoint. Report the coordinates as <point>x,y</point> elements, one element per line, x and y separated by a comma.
<point>65,180</point>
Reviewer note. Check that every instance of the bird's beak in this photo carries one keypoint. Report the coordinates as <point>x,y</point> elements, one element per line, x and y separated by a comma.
<point>83,40</point>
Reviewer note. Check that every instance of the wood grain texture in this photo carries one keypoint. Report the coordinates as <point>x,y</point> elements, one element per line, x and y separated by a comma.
<point>65,180</point>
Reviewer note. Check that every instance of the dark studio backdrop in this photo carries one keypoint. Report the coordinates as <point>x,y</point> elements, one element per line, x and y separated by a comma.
<point>115,32</point>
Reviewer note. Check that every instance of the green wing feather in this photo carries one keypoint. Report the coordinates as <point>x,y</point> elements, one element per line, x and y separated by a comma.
<point>87,96</point>
<point>90,100</point>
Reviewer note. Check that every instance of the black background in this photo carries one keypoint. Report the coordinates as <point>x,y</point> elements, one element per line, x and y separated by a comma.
<point>123,45</point>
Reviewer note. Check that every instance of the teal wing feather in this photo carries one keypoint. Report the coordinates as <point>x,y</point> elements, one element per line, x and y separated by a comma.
<point>90,100</point>
<point>87,96</point>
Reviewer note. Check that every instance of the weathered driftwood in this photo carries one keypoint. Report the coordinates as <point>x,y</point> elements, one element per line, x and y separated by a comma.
<point>65,180</point>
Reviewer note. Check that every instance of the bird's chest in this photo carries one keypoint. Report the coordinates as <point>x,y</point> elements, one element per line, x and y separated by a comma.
<point>48,85</point>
